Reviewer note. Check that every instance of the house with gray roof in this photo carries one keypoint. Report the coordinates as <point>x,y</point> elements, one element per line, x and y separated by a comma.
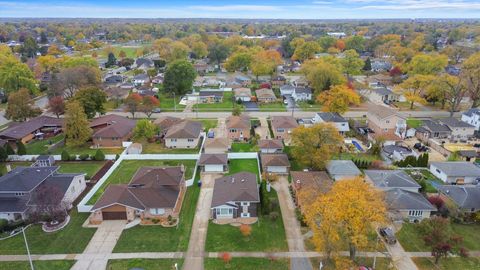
<point>140,79</point>
<point>235,197</point>
<point>334,118</point>
<point>467,198</point>
<point>460,130</point>
<point>23,187</point>
<point>456,172</point>
<point>270,146</point>
<point>403,204</point>
<point>472,117</point>
<point>342,169</point>
<point>391,179</point>
<point>213,162</point>
<point>302,94</point>
<point>185,134</point>
<point>383,94</point>
<point>433,129</point>
<point>275,163</point>
<point>286,90</point>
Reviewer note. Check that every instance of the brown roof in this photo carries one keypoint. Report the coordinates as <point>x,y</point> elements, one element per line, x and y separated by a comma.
<point>184,129</point>
<point>313,180</point>
<point>270,144</point>
<point>150,187</point>
<point>265,93</point>
<point>165,122</point>
<point>239,187</point>
<point>243,92</point>
<point>284,122</point>
<point>381,111</point>
<point>20,130</point>
<point>242,121</point>
<point>217,143</point>
<point>213,159</point>
<point>275,160</point>
<point>117,126</point>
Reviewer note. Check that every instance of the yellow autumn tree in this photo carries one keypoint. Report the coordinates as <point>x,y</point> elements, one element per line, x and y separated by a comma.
<point>314,146</point>
<point>338,99</point>
<point>345,216</point>
<point>414,88</point>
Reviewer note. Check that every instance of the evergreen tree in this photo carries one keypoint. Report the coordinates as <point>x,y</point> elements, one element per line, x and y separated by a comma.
<point>21,149</point>
<point>368,65</point>
<point>112,61</point>
<point>99,155</point>
<point>9,149</point>
<point>65,155</point>
<point>3,154</point>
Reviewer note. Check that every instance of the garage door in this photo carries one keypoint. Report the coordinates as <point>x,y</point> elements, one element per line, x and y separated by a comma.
<point>114,215</point>
<point>214,168</point>
<point>277,169</point>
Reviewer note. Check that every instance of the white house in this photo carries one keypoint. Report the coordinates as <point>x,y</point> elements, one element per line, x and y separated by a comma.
<point>140,79</point>
<point>336,119</point>
<point>472,117</point>
<point>214,162</point>
<point>456,172</point>
<point>390,179</point>
<point>185,134</point>
<point>286,90</point>
<point>302,94</point>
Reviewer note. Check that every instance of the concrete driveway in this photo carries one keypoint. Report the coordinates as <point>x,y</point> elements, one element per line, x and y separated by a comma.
<point>220,129</point>
<point>262,130</point>
<point>251,106</point>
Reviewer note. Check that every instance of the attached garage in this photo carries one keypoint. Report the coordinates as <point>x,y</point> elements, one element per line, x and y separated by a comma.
<point>214,168</point>
<point>114,215</point>
<point>213,162</point>
<point>277,169</point>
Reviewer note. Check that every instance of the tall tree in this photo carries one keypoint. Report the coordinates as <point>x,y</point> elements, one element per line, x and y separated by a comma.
<point>414,88</point>
<point>314,146</point>
<point>56,105</point>
<point>351,62</point>
<point>356,43</point>
<point>239,61</point>
<point>218,52</point>
<point>92,100</point>
<point>306,51</point>
<point>179,77</point>
<point>15,75</point>
<point>69,80</point>
<point>322,75</point>
<point>21,106</point>
<point>29,48</point>
<point>133,103</point>
<point>77,127</point>
<point>338,99</point>
<point>144,129</point>
<point>148,104</point>
<point>471,74</point>
<point>111,60</point>
<point>427,64</point>
<point>449,90</point>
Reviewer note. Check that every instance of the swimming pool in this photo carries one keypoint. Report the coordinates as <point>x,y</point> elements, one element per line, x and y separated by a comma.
<point>357,145</point>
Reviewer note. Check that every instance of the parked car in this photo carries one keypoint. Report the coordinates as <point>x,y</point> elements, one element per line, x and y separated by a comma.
<point>156,110</point>
<point>388,235</point>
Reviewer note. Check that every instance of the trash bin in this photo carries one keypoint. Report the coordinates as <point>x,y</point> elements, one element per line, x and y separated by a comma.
<point>199,183</point>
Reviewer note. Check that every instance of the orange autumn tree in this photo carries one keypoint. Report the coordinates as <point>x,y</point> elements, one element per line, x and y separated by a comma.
<point>338,99</point>
<point>345,216</point>
<point>246,230</point>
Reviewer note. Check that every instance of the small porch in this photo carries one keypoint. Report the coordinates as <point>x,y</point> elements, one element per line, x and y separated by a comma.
<point>236,221</point>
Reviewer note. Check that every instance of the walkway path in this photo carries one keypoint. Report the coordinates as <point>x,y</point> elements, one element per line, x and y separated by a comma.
<point>292,226</point>
<point>400,258</point>
<point>96,254</point>
<point>198,236</point>
<point>263,130</point>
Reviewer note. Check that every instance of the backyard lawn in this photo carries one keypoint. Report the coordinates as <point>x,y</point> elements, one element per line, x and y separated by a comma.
<point>125,171</point>
<point>72,239</point>
<point>471,263</point>
<point>243,165</point>
<point>159,239</point>
<point>272,107</point>
<point>414,123</point>
<point>243,147</point>
<point>427,176</point>
<point>247,264</point>
<point>39,265</point>
<point>412,240</point>
<point>41,146</point>
<point>88,167</point>
<point>146,264</point>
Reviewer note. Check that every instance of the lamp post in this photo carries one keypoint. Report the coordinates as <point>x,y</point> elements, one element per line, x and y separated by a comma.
<point>28,250</point>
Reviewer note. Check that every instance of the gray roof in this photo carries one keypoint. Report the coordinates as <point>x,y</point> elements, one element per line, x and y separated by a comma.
<point>457,168</point>
<point>288,87</point>
<point>213,159</point>
<point>303,90</point>
<point>238,187</point>
<point>25,179</point>
<point>399,199</point>
<point>185,129</point>
<point>435,126</point>
<point>331,117</point>
<point>390,149</point>
<point>13,205</point>
<point>391,179</point>
<point>464,196</point>
<point>210,93</point>
<point>141,76</point>
<point>342,167</point>
<point>384,91</point>
<point>472,112</point>
<point>454,122</point>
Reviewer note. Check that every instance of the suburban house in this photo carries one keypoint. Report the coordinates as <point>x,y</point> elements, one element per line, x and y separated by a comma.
<point>391,179</point>
<point>235,198</point>
<point>185,134</point>
<point>432,129</point>
<point>383,79</point>
<point>314,183</point>
<point>467,198</point>
<point>282,126</point>
<point>456,172</point>
<point>165,123</point>
<point>158,79</point>
<point>383,95</point>
<point>216,145</point>
<point>334,118</point>
<point>216,163</point>
<point>403,204</point>
<point>278,81</point>
<point>114,79</point>
<point>265,95</point>
<point>472,117</point>
<point>111,130</point>
<point>286,90</point>
<point>243,94</point>
<point>386,123</point>
<point>275,163</point>
<point>238,127</point>
<point>36,128</point>
<point>154,193</point>
<point>243,80</point>
<point>342,169</point>
<point>460,130</point>
<point>22,189</point>
<point>143,64</point>
<point>302,94</point>
<point>379,65</point>
<point>205,96</point>
<point>270,146</point>
<point>140,79</point>
<point>397,152</point>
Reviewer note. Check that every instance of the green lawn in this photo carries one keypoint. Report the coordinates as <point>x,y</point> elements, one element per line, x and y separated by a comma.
<point>38,147</point>
<point>159,148</point>
<point>380,264</point>
<point>247,264</point>
<point>225,105</point>
<point>267,235</point>
<point>471,263</point>
<point>85,149</point>
<point>414,123</point>
<point>147,264</point>
<point>167,103</point>
<point>427,176</point>
<point>243,147</point>
<point>357,156</point>
<point>88,167</point>
<point>412,240</point>
<point>208,123</point>
<point>125,171</point>
<point>160,239</point>
<point>294,165</point>
<point>39,265</point>
<point>243,165</point>
<point>72,239</point>
<point>272,107</point>
<point>305,106</point>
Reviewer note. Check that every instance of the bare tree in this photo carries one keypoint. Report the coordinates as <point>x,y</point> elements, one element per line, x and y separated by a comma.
<point>69,80</point>
<point>47,204</point>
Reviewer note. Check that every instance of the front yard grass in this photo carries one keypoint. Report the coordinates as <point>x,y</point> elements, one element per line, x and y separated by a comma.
<point>412,239</point>
<point>267,234</point>
<point>71,239</point>
<point>159,148</point>
<point>208,123</point>
<point>305,106</point>
<point>88,167</point>
<point>380,264</point>
<point>471,263</point>
<point>125,171</point>
<point>85,149</point>
<point>226,104</point>
<point>243,165</point>
<point>160,239</point>
<point>167,103</point>
<point>39,265</point>
<point>147,264</point>
<point>414,123</point>
<point>272,107</point>
<point>243,147</point>
<point>247,264</point>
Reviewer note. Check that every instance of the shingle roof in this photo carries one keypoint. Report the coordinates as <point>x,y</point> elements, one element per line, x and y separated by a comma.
<point>315,180</point>
<point>391,179</point>
<point>242,121</point>
<point>399,199</point>
<point>302,90</point>
<point>454,122</point>
<point>284,122</point>
<point>472,112</point>
<point>275,160</point>
<point>165,122</point>
<point>265,93</point>
<point>243,92</point>
<point>270,144</point>
<point>464,196</point>
<point>342,167</point>
<point>435,126</point>
<point>331,117</point>
<point>185,129</point>
<point>210,93</point>
<point>213,159</point>
<point>117,126</point>
<point>25,179</point>
<point>381,111</point>
<point>221,143</point>
<point>457,168</point>
<point>23,129</point>
<point>235,188</point>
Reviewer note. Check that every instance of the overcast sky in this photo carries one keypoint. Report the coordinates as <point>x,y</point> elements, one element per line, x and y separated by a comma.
<point>269,9</point>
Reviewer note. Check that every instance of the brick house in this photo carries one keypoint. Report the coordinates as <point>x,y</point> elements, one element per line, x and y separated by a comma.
<point>111,130</point>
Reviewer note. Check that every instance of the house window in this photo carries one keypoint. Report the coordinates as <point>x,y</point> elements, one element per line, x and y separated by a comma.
<point>224,211</point>
<point>280,130</point>
<point>173,140</point>
<point>232,130</point>
<point>388,121</point>
<point>190,140</point>
<point>415,213</point>
<point>245,203</point>
<point>157,211</point>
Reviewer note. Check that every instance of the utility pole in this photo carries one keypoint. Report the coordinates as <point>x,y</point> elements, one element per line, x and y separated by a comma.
<point>174,102</point>
<point>28,250</point>
<point>293,108</point>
